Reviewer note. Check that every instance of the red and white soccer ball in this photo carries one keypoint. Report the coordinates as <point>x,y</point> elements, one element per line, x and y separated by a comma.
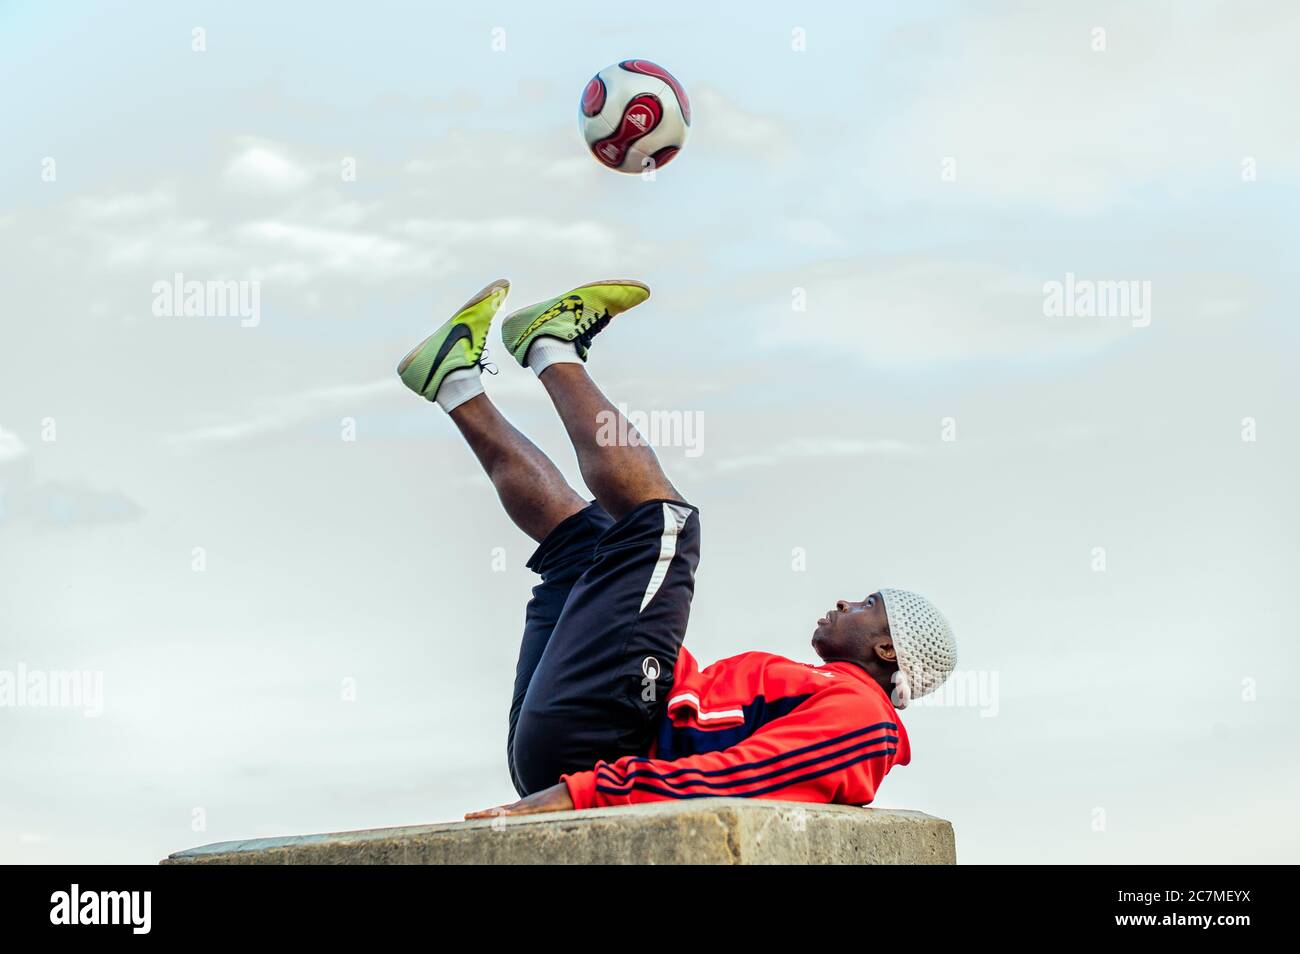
<point>634,116</point>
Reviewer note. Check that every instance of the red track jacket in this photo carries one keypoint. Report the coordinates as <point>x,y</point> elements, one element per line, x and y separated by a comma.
<point>759,726</point>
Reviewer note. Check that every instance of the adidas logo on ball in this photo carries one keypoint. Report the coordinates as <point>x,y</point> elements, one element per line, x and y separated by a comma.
<point>634,116</point>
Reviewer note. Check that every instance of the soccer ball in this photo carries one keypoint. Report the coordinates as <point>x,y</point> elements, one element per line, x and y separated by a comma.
<point>634,116</point>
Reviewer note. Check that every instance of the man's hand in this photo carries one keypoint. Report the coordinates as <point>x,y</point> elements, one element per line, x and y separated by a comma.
<point>553,799</point>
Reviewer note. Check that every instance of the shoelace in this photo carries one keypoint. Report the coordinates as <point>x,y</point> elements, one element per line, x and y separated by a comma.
<point>584,338</point>
<point>486,365</point>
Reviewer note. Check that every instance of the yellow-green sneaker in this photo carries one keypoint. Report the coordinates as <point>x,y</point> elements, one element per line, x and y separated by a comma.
<point>577,316</point>
<point>459,343</point>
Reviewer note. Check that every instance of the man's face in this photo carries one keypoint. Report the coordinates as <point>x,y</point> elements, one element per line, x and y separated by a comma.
<point>852,629</point>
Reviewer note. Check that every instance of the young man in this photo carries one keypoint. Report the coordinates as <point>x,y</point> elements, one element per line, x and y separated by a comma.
<point>608,707</point>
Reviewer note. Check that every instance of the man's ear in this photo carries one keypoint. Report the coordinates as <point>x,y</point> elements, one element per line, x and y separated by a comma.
<point>885,650</point>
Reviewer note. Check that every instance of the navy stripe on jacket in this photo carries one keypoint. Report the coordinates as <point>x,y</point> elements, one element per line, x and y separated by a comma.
<point>669,793</point>
<point>679,741</point>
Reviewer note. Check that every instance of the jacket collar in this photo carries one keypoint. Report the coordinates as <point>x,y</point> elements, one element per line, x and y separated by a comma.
<point>857,672</point>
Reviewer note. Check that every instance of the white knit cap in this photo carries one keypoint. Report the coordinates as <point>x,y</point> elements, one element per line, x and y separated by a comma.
<point>927,652</point>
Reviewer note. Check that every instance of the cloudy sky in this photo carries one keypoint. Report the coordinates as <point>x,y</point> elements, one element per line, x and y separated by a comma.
<point>242,527</point>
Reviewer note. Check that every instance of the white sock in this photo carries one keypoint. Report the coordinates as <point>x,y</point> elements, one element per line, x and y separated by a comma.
<point>546,351</point>
<point>458,387</point>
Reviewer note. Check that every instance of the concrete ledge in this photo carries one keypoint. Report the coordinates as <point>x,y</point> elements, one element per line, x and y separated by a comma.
<point>726,831</point>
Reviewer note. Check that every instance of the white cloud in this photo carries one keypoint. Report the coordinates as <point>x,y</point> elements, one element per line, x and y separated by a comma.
<point>1018,97</point>
<point>342,213</point>
<point>261,167</point>
<point>127,205</point>
<point>919,311</point>
<point>806,447</point>
<point>73,503</point>
<point>720,123</point>
<point>283,412</point>
<point>308,238</point>
<point>365,254</point>
<point>586,241</point>
<point>163,243</point>
<point>11,446</point>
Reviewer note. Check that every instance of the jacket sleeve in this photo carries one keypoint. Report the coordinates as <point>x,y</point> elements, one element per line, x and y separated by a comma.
<point>823,751</point>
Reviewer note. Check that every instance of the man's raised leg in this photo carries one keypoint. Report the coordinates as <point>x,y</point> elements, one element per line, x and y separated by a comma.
<point>621,475</point>
<point>553,338</point>
<point>444,368</point>
<point>609,664</point>
<point>533,492</point>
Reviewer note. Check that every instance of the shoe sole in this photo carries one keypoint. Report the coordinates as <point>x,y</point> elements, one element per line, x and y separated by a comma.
<point>481,297</point>
<point>618,281</point>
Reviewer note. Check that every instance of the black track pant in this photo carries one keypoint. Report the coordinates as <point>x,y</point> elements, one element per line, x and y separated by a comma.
<point>601,637</point>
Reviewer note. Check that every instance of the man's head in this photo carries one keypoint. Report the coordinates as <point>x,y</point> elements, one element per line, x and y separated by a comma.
<point>898,637</point>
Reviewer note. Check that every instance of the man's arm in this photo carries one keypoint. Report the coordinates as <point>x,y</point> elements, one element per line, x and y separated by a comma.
<point>553,799</point>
